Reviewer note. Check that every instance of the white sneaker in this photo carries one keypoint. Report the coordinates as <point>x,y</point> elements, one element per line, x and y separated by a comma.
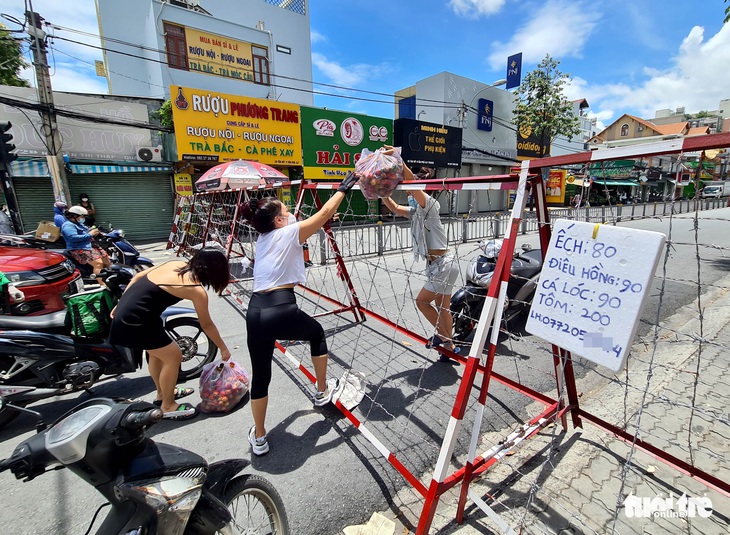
<point>260,446</point>
<point>322,398</point>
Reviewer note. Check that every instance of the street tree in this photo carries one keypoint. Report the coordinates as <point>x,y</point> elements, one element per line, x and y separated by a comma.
<point>541,107</point>
<point>11,60</point>
<point>727,12</point>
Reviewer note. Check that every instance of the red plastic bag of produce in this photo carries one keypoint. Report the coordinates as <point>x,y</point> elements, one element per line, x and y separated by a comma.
<point>379,173</point>
<point>222,385</point>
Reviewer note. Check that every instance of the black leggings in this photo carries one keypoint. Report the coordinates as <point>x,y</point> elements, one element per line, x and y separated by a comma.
<point>275,316</point>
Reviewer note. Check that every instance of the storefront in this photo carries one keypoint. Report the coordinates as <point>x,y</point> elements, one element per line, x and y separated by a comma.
<point>137,198</point>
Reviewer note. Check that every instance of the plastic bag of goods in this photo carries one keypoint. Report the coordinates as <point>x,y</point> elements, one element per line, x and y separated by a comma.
<point>222,385</point>
<point>379,173</point>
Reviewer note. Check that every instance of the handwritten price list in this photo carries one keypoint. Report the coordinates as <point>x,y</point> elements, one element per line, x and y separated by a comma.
<point>592,289</point>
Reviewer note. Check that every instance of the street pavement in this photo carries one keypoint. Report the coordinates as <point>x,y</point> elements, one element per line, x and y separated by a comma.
<point>586,480</point>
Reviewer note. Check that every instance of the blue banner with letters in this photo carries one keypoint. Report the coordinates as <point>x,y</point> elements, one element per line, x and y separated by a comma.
<point>485,114</point>
<point>514,70</point>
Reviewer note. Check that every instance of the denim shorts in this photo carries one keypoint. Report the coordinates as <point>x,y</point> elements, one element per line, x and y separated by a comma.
<point>441,274</point>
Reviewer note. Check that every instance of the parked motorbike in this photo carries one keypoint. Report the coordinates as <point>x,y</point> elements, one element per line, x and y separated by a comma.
<point>39,365</point>
<point>151,487</point>
<point>118,248</point>
<point>467,302</point>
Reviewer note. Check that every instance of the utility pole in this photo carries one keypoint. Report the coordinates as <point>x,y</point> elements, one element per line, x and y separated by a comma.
<point>61,190</point>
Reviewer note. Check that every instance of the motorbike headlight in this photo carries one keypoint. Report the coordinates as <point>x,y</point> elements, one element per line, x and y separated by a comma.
<point>25,278</point>
<point>173,498</point>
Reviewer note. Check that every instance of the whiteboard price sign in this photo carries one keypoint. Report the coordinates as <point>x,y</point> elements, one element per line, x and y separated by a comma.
<point>593,286</point>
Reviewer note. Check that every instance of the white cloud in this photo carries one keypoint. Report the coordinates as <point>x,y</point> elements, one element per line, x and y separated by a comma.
<point>560,28</point>
<point>317,37</point>
<point>697,79</point>
<point>349,75</point>
<point>476,8</point>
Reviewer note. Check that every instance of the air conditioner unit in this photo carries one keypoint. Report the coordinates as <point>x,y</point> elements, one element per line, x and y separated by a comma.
<point>149,154</point>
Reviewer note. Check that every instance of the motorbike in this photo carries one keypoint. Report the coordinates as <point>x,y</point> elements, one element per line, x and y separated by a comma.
<point>151,487</point>
<point>467,303</point>
<point>118,248</point>
<point>40,365</point>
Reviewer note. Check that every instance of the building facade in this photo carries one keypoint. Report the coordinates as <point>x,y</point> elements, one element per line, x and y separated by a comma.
<point>484,112</point>
<point>256,48</point>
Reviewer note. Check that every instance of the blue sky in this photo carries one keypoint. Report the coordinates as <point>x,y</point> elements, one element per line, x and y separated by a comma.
<point>624,56</point>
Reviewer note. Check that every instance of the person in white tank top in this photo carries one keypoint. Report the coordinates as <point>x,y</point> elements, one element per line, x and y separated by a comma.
<point>273,313</point>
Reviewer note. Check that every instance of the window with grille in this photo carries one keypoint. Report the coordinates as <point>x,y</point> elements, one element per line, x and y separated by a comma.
<point>297,6</point>
<point>260,65</point>
<point>177,56</point>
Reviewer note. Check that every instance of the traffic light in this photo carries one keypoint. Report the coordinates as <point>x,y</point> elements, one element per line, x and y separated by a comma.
<point>6,148</point>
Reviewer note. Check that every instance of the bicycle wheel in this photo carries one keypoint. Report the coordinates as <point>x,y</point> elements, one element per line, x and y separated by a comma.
<point>256,506</point>
<point>197,348</point>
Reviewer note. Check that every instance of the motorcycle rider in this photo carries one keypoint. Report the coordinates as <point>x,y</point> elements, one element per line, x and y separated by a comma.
<point>78,240</point>
<point>430,243</point>
<point>59,211</point>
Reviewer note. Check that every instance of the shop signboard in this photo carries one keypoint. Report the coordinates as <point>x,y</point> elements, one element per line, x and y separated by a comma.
<point>528,145</point>
<point>428,144</point>
<point>183,184</point>
<point>556,186</point>
<point>217,127</point>
<point>216,55</point>
<point>334,140</point>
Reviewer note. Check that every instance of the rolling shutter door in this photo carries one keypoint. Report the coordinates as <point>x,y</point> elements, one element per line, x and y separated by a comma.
<point>140,203</point>
<point>35,200</point>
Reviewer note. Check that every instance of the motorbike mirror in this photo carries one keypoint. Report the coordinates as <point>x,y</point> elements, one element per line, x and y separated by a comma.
<point>526,247</point>
<point>4,405</point>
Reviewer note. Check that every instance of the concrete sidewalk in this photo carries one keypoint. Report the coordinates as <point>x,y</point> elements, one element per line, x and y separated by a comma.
<point>578,481</point>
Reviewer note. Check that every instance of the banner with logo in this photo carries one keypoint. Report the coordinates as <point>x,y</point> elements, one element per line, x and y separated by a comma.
<point>528,145</point>
<point>485,114</point>
<point>333,140</point>
<point>216,127</point>
<point>514,70</point>
<point>428,144</point>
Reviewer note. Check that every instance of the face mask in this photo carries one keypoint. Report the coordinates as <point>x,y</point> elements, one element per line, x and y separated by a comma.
<point>291,219</point>
<point>412,202</point>
<point>84,200</point>
<point>82,220</point>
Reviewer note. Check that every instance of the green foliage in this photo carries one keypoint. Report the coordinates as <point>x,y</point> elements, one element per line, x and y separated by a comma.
<point>702,114</point>
<point>727,12</point>
<point>11,60</point>
<point>164,114</point>
<point>542,108</point>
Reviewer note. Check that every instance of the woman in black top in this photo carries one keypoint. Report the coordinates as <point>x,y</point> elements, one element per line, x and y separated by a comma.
<point>137,321</point>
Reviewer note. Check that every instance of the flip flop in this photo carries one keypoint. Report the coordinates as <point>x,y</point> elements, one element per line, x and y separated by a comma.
<point>184,411</point>
<point>180,392</point>
<point>434,341</point>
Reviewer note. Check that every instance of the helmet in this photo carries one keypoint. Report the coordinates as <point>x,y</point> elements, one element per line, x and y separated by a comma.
<point>491,248</point>
<point>60,204</point>
<point>78,210</point>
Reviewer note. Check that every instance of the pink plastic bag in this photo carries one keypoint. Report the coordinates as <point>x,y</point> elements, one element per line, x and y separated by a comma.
<point>379,173</point>
<point>222,386</point>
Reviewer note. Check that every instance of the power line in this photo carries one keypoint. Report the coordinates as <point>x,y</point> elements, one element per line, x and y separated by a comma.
<point>422,102</point>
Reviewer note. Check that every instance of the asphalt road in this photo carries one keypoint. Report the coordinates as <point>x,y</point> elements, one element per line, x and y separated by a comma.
<point>327,473</point>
